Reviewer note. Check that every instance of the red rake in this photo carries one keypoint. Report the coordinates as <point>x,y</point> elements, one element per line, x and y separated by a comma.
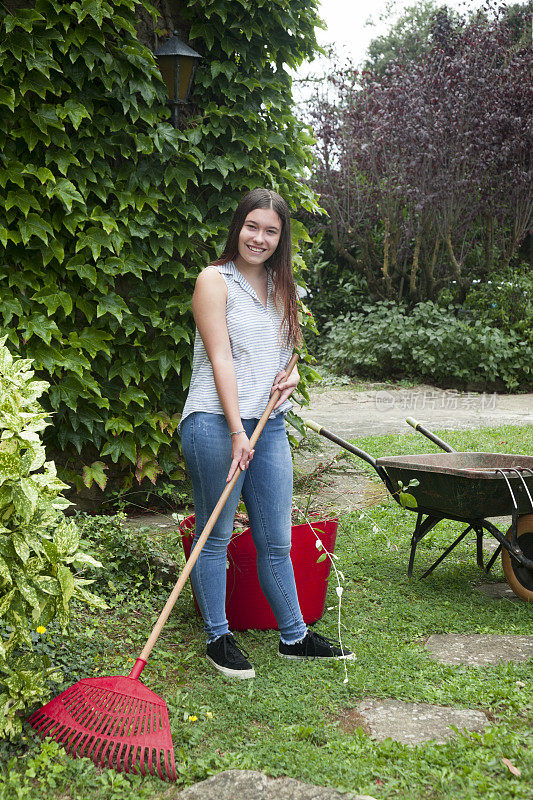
<point>118,721</point>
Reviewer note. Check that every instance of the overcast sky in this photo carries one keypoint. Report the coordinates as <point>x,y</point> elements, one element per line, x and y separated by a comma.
<point>347,21</point>
<point>352,24</point>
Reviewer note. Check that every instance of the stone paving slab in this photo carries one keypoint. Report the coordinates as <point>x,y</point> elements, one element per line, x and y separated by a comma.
<point>498,591</point>
<point>249,785</point>
<point>154,521</point>
<point>415,723</point>
<point>479,650</point>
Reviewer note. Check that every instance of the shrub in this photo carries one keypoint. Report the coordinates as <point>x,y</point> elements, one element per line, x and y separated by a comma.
<point>504,301</point>
<point>38,545</point>
<point>131,559</point>
<point>333,289</point>
<point>429,343</point>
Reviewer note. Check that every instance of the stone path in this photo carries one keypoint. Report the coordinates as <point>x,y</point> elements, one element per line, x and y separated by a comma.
<point>415,723</point>
<point>349,413</point>
<point>249,785</point>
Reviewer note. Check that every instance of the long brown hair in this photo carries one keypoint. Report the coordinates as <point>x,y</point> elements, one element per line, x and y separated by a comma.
<point>279,264</point>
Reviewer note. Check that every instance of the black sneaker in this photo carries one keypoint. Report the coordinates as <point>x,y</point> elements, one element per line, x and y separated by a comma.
<point>225,656</point>
<point>313,646</point>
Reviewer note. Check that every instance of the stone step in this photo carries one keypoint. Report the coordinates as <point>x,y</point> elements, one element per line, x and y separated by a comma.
<point>250,785</point>
<point>411,723</point>
<point>479,650</point>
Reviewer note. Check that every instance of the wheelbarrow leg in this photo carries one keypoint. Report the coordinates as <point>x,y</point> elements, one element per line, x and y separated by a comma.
<point>493,558</point>
<point>446,552</point>
<point>423,526</point>
<point>479,547</point>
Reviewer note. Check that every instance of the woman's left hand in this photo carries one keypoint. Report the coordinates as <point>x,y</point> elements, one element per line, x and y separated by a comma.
<point>286,387</point>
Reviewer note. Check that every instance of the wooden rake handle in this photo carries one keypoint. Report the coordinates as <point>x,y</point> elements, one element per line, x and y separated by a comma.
<point>191,561</point>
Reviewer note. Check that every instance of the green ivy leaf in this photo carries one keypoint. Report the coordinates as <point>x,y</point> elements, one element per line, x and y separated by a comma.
<point>116,425</point>
<point>94,239</point>
<point>22,17</point>
<point>132,394</point>
<point>92,340</point>
<point>35,226</point>
<point>21,199</point>
<point>112,304</point>
<point>95,472</point>
<point>53,300</point>
<point>39,325</point>
<point>75,111</point>
<point>7,97</point>
<point>67,193</point>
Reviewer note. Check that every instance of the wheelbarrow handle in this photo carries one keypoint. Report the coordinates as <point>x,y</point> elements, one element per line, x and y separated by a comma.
<point>431,436</point>
<point>351,448</point>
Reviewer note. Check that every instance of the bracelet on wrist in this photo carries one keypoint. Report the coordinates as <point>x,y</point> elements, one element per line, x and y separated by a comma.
<point>235,433</point>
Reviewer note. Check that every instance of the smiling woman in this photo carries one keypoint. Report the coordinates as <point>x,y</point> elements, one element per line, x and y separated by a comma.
<point>244,305</point>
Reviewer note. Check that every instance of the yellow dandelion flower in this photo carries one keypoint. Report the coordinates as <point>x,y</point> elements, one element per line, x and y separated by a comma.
<point>41,629</point>
<point>192,718</point>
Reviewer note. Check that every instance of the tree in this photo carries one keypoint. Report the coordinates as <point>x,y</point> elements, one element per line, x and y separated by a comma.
<point>408,38</point>
<point>426,172</point>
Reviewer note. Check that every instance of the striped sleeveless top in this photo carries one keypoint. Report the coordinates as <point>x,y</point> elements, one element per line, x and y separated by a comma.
<point>257,345</point>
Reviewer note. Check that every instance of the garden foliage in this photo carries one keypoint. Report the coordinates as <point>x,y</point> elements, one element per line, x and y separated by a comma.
<point>39,554</point>
<point>107,213</point>
<point>430,343</point>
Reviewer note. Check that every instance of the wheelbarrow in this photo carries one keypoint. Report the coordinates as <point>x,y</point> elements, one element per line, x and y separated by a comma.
<point>466,487</point>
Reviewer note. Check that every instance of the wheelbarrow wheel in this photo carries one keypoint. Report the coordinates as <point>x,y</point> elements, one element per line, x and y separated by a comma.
<point>520,578</point>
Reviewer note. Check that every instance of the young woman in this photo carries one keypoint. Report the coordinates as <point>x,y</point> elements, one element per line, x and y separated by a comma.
<point>245,309</point>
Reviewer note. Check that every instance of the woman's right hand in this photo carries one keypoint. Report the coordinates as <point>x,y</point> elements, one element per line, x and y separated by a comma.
<point>241,454</point>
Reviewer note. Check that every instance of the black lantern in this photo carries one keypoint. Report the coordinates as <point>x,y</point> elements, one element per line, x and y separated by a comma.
<point>177,63</point>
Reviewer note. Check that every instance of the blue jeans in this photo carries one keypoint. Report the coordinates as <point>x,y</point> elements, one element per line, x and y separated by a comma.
<point>266,488</point>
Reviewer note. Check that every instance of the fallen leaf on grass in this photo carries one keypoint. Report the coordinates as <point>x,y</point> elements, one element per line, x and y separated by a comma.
<point>511,767</point>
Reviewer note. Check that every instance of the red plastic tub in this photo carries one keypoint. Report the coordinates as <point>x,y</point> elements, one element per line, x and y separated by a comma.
<point>246,605</point>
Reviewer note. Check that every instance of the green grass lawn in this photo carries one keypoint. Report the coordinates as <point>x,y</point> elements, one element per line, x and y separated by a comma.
<point>293,719</point>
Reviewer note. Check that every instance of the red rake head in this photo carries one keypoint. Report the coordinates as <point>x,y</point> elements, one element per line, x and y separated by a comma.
<point>116,721</point>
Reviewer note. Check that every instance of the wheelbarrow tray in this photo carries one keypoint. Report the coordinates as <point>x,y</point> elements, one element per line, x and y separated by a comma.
<point>462,485</point>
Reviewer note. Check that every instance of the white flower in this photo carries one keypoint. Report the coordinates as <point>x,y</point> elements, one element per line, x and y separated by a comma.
<point>339,590</point>
<point>318,544</point>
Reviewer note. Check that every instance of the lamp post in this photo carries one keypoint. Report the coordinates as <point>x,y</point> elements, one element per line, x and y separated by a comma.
<point>177,64</point>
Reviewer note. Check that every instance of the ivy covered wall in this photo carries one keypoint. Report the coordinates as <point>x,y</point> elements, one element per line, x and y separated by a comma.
<point>107,213</point>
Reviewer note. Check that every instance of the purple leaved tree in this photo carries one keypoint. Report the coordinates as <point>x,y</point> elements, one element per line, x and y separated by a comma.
<point>426,172</point>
